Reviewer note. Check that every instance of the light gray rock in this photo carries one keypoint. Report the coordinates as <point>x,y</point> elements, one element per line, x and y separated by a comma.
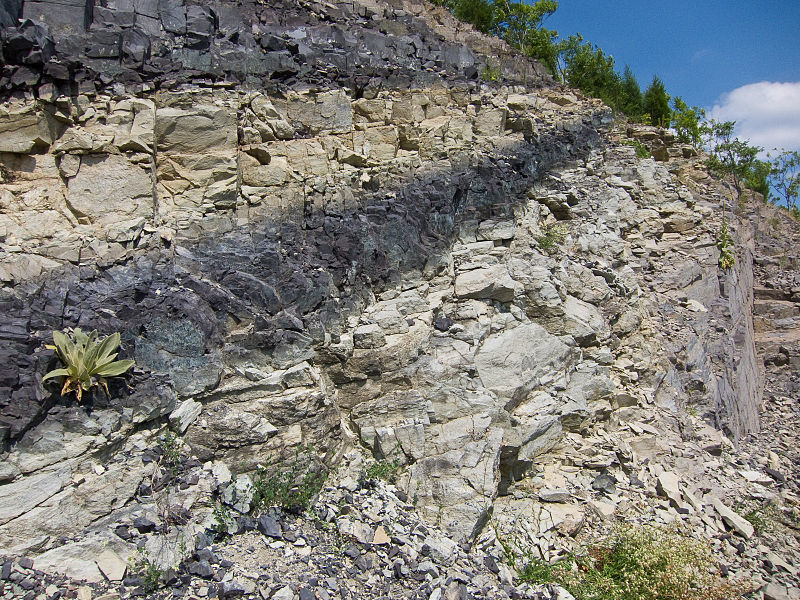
<point>360,531</point>
<point>25,128</point>
<point>24,494</point>
<point>441,549</point>
<point>667,485</point>
<point>111,565</point>
<point>496,230</point>
<point>285,593</point>
<point>736,522</point>
<point>516,360</point>
<point>109,189</point>
<point>582,321</point>
<point>775,591</point>
<point>85,558</point>
<point>554,495</point>
<point>492,283</point>
<point>369,336</point>
<point>239,493</point>
<point>195,129</point>
<point>185,414</point>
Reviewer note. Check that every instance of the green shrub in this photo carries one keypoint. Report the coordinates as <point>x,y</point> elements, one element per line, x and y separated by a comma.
<point>170,451</point>
<point>145,568</point>
<point>224,521</point>
<point>642,151</point>
<point>383,469</point>
<point>639,563</point>
<point>538,571</point>
<point>491,73</point>
<point>87,361</point>
<point>292,484</point>
<point>552,236</point>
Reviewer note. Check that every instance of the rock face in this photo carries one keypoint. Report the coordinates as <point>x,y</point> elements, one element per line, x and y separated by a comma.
<point>465,278</point>
<point>80,46</point>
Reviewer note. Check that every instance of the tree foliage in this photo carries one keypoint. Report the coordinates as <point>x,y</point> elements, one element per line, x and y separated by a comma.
<point>520,24</point>
<point>656,103</point>
<point>784,176</point>
<point>478,13</point>
<point>729,156</point>
<point>687,121</point>
<point>589,69</point>
<point>630,95</point>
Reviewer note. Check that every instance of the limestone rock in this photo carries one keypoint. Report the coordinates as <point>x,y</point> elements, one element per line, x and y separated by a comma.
<point>492,283</point>
<point>736,522</point>
<point>369,336</point>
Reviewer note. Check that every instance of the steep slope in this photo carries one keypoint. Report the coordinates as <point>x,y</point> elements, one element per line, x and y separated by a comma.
<point>318,230</point>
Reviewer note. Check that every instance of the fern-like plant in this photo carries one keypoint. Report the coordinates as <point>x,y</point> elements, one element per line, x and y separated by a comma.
<point>87,361</point>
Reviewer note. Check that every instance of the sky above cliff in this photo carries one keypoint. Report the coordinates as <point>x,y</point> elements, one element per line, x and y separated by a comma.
<point>739,59</point>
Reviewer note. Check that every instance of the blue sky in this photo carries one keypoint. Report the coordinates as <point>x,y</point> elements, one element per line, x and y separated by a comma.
<point>710,52</point>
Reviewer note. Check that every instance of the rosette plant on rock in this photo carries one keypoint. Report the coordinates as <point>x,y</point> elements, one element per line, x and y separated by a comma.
<point>87,361</point>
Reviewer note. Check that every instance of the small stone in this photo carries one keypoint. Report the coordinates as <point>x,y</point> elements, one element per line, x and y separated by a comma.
<point>369,336</point>
<point>231,589</point>
<point>27,584</point>
<point>605,483</point>
<point>380,536</point>
<point>205,554</point>
<point>84,593</point>
<point>143,524</point>
<point>554,495</point>
<point>306,593</point>
<point>185,414</point>
<point>270,527</point>
<point>440,549</point>
<point>668,487</point>
<point>201,568</point>
<point>285,593</point>
<point>456,591</point>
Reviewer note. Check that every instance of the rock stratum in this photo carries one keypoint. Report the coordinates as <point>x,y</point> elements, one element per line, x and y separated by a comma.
<point>321,231</point>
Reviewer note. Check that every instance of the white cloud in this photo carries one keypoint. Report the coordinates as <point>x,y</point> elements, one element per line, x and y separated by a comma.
<point>766,113</point>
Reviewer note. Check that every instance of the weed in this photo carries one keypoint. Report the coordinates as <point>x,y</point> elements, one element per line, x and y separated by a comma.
<point>491,73</point>
<point>170,451</point>
<point>383,469</point>
<point>538,571</point>
<point>725,244</point>
<point>145,568</point>
<point>636,563</point>
<point>552,236</point>
<point>292,485</point>
<point>223,520</point>
<point>642,151</point>
<point>758,520</point>
<point>774,221</point>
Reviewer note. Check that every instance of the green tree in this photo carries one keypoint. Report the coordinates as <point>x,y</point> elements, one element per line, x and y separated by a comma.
<point>589,69</point>
<point>519,23</point>
<point>784,176</point>
<point>687,121</point>
<point>757,177</point>
<point>479,13</point>
<point>656,103</point>
<point>630,96</point>
<point>730,156</point>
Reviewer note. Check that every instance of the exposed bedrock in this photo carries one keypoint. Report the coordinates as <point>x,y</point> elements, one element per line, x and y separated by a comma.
<point>461,277</point>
